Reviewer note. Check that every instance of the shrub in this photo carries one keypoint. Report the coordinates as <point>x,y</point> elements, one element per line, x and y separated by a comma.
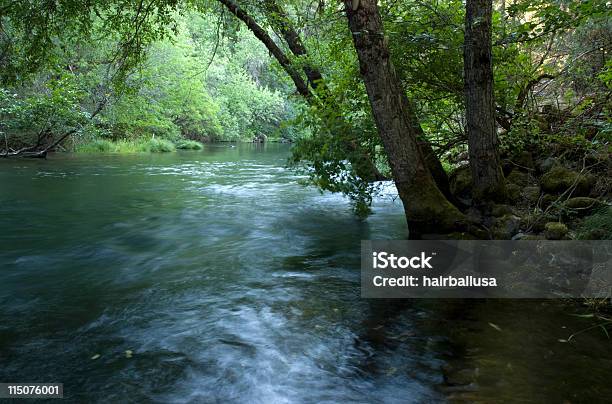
<point>97,146</point>
<point>161,146</point>
<point>189,145</point>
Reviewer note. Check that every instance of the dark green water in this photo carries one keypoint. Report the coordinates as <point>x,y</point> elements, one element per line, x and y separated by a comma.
<point>230,282</point>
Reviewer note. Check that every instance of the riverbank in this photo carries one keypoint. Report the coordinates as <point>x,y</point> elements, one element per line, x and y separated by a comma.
<point>152,145</point>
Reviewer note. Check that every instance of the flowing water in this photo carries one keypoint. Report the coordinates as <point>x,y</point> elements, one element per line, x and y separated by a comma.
<point>229,281</point>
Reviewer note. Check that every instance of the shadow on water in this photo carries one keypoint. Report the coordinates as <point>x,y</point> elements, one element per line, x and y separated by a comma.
<point>230,281</point>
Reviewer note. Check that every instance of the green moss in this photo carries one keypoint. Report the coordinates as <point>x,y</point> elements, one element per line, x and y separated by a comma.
<point>518,177</point>
<point>500,210</point>
<point>555,230</point>
<point>461,181</point>
<point>513,192</point>
<point>560,179</point>
<point>582,203</point>
<point>189,145</point>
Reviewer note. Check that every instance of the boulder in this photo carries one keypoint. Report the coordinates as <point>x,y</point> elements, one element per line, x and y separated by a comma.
<point>500,210</point>
<point>547,200</point>
<point>513,192</point>
<point>559,179</point>
<point>555,231</point>
<point>531,194</point>
<point>547,164</point>
<point>461,181</point>
<point>505,227</point>
<point>518,177</point>
<point>582,204</point>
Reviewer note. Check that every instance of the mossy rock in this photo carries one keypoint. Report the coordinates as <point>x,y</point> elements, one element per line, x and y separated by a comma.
<point>582,204</point>
<point>547,164</point>
<point>461,181</point>
<point>505,227</point>
<point>513,192</point>
<point>560,179</point>
<point>555,231</point>
<point>531,194</point>
<point>548,200</point>
<point>518,177</point>
<point>500,210</point>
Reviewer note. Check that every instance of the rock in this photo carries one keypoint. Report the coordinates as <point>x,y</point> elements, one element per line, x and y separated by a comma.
<point>500,210</point>
<point>505,227</point>
<point>461,181</point>
<point>555,230</point>
<point>513,192</point>
<point>547,164</point>
<point>582,204</point>
<point>559,179</point>
<point>518,177</point>
<point>531,194</point>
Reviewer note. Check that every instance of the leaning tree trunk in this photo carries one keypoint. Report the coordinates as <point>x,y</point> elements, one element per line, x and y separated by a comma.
<point>315,79</point>
<point>426,208</point>
<point>487,177</point>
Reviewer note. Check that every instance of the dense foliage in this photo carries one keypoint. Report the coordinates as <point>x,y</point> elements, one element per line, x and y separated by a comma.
<point>131,71</point>
<point>199,84</point>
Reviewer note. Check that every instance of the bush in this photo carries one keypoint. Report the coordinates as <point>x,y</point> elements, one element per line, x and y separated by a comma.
<point>189,145</point>
<point>127,146</point>
<point>97,146</point>
<point>161,146</point>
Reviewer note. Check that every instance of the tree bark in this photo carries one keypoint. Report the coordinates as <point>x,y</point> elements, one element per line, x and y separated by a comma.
<point>280,20</point>
<point>315,79</point>
<point>425,206</point>
<point>487,177</point>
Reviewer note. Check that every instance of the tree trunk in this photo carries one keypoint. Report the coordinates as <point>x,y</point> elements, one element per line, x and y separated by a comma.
<point>426,208</point>
<point>487,177</point>
<point>263,36</point>
<point>280,20</point>
<point>315,79</point>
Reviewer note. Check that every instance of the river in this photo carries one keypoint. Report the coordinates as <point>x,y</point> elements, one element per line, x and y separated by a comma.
<point>226,280</point>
